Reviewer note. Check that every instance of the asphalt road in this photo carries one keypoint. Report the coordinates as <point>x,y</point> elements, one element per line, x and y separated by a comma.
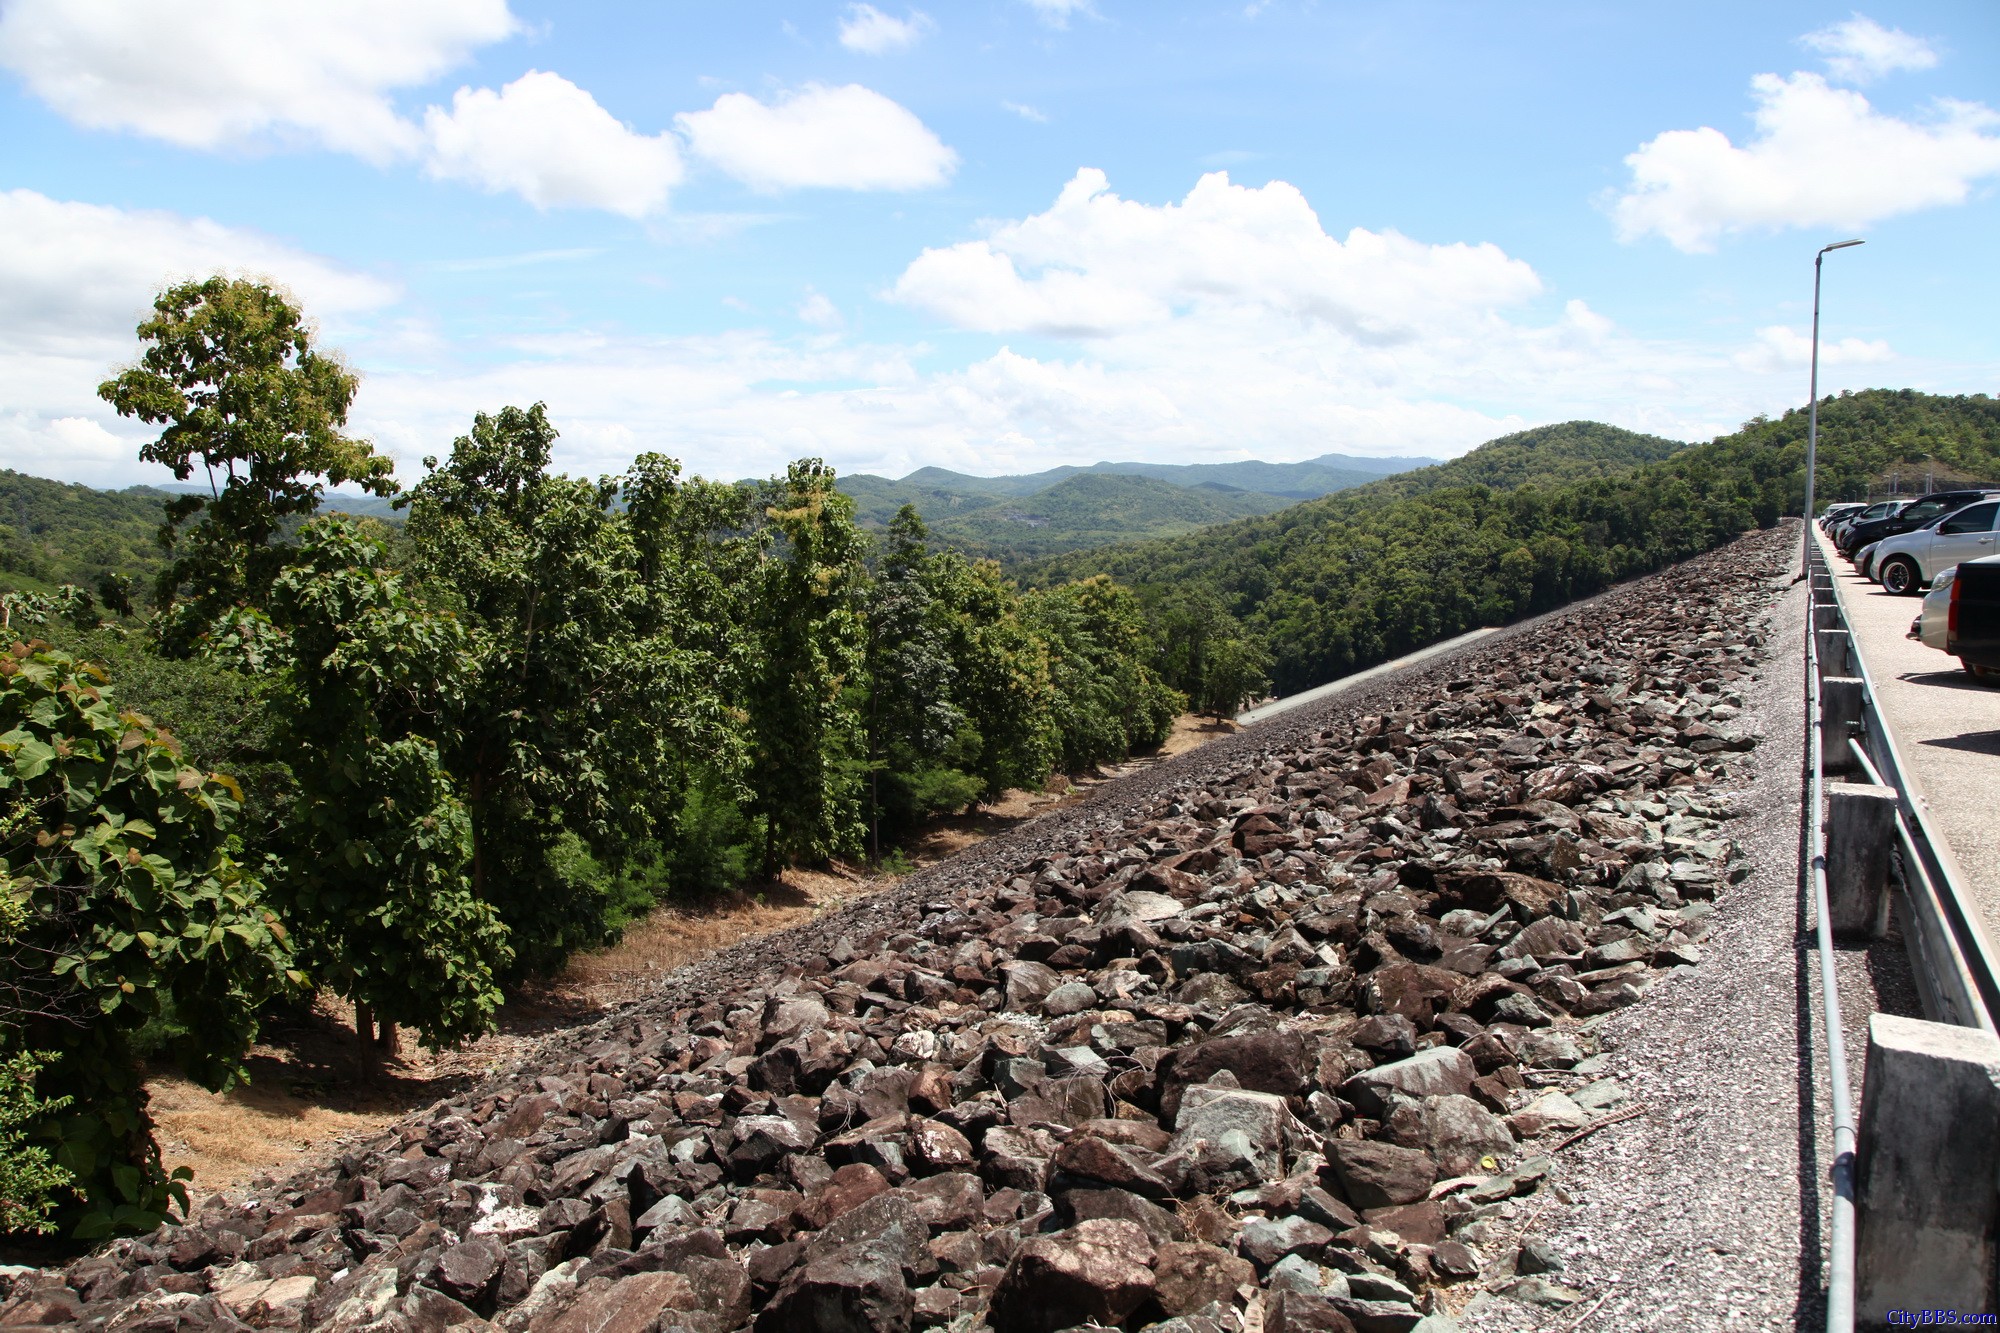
<point>1947,729</point>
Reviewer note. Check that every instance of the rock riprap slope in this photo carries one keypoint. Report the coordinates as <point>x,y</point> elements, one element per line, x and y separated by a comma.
<point>1289,1043</point>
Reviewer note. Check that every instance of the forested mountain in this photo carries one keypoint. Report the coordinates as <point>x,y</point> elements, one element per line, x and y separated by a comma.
<point>53,533</point>
<point>1566,451</point>
<point>1523,524</point>
<point>940,495</point>
<point>1092,508</point>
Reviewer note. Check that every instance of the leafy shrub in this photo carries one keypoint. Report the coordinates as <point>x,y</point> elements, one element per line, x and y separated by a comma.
<point>31,1184</point>
<point>132,901</point>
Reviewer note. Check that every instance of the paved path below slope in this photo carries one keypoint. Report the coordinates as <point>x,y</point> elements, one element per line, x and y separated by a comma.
<point>1947,728</point>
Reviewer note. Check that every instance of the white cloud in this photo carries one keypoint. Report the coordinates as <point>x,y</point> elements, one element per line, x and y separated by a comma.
<point>233,73</point>
<point>869,31</point>
<point>1821,156</point>
<point>1781,347</point>
<point>1861,50</point>
<point>1096,265</point>
<point>548,140</point>
<point>847,138</point>
<point>819,312</point>
<point>1056,13</point>
<point>1025,112</point>
<point>76,278</point>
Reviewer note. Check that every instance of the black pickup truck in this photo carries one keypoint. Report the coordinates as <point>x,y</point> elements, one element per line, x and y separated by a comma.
<point>1972,625</point>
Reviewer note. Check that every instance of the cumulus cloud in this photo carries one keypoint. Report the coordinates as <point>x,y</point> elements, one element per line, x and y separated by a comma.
<point>1781,347</point>
<point>1861,50</point>
<point>819,312</point>
<point>216,74</point>
<point>74,280</point>
<point>1056,13</point>
<point>1096,264</point>
<point>1821,156</point>
<point>548,141</point>
<point>846,138</point>
<point>869,31</point>
<point>1025,112</point>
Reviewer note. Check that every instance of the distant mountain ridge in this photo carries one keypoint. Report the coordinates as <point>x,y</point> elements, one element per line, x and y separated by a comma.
<point>1062,509</point>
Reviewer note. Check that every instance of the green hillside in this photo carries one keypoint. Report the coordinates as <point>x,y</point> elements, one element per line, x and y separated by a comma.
<point>52,532</point>
<point>1523,524</point>
<point>1091,509</point>
<point>940,494</point>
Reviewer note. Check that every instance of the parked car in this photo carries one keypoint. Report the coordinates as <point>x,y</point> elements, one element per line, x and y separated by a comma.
<point>1913,515</point>
<point>1965,622</point>
<point>1845,523</point>
<point>1864,560</point>
<point>1906,562</point>
<point>1834,512</point>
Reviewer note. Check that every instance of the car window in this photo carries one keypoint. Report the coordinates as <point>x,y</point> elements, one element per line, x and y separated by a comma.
<point>1925,512</point>
<point>1973,518</point>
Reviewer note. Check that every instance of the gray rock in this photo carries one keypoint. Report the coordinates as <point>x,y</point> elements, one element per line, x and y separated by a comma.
<point>1542,1292</point>
<point>1437,1072</point>
<point>1266,1240</point>
<point>1072,997</point>
<point>1464,1137</point>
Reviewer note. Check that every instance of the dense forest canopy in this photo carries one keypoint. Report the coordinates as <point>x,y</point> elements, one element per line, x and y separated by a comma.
<point>1523,524</point>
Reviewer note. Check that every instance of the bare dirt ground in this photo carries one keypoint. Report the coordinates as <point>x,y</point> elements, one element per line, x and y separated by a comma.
<point>309,1087</point>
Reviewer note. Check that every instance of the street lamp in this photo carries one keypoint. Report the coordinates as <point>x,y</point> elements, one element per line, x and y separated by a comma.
<point>1812,419</point>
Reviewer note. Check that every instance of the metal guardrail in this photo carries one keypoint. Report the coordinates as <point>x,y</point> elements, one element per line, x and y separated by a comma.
<point>1840,1261</point>
<point>1957,971</point>
<point>1953,962</point>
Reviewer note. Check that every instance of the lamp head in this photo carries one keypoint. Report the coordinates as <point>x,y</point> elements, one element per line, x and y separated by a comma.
<point>1841,245</point>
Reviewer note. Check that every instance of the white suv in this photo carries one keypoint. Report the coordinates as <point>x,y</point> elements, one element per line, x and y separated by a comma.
<point>1907,561</point>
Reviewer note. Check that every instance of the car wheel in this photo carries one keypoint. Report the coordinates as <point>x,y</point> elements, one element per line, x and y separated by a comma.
<point>1899,576</point>
<point>1985,675</point>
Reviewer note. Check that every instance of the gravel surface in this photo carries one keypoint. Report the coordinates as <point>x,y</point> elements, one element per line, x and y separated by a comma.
<point>1708,1209</point>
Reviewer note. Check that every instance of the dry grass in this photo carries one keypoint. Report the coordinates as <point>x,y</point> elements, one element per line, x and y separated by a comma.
<point>309,1085</point>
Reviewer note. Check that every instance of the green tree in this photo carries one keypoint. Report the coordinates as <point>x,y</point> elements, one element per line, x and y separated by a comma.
<point>807,636</point>
<point>134,908</point>
<point>232,373</point>
<point>378,843</point>
<point>589,688</point>
<point>1107,700</point>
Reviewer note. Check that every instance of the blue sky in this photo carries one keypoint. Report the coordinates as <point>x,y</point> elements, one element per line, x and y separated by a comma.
<point>1002,236</point>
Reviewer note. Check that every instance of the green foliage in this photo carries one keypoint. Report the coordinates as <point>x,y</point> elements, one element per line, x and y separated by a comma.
<point>939,495</point>
<point>1204,652</point>
<point>134,904</point>
<point>52,533</point>
<point>586,681</point>
<point>1339,584</point>
<point>232,374</point>
<point>31,1184</point>
<point>806,639</point>
<point>379,843</point>
<point>1093,508</point>
<point>957,696</point>
<point>1107,701</point>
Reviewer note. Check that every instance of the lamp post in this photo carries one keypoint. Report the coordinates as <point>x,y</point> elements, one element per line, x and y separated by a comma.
<point>1812,417</point>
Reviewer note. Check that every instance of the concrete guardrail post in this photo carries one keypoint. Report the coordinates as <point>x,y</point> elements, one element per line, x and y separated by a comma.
<point>1826,614</point>
<point>1926,1164</point>
<point>1860,832</point>
<point>1834,653</point>
<point>1840,700</point>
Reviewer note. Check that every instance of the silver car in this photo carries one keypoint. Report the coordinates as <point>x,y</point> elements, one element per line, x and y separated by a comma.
<point>1929,628</point>
<point>1907,561</point>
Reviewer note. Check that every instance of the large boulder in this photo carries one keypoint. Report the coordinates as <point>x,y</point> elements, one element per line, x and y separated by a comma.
<point>1438,1072</point>
<point>1096,1272</point>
